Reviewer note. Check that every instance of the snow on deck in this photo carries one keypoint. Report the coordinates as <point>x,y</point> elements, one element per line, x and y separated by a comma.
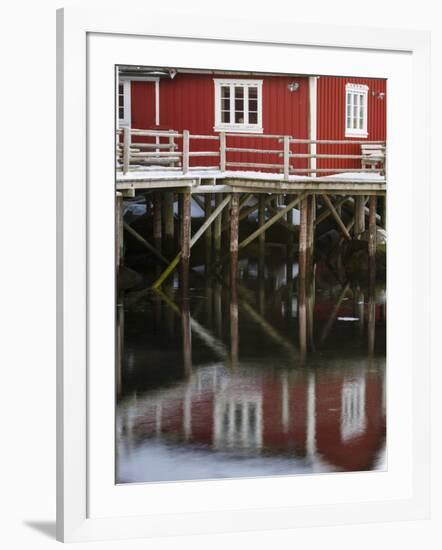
<point>195,173</point>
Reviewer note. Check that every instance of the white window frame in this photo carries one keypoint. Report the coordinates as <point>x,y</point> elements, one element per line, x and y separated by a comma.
<point>360,90</point>
<point>126,120</point>
<point>243,127</point>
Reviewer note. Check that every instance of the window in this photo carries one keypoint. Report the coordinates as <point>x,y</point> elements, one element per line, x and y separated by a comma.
<point>123,107</point>
<point>356,110</point>
<point>238,105</point>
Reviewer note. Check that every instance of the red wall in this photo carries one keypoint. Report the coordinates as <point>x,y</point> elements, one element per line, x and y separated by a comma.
<point>331,118</point>
<point>187,103</point>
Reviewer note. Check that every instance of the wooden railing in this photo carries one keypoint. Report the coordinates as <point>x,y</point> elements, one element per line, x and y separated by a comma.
<point>160,149</point>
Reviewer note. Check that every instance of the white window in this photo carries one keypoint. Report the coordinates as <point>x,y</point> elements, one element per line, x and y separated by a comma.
<point>238,105</point>
<point>356,103</point>
<point>123,104</point>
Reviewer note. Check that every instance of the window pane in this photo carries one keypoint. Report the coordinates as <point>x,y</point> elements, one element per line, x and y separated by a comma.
<point>225,91</point>
<point>225,104</point>
<point>239,92</point>
<point>120,88</point>
<point>253,118</point>
<point>239,117</point>
<point>239,105</point>
<point>121,113</point>
<point>253,92</point>
<point>225,116</point>
<point>253,104</point>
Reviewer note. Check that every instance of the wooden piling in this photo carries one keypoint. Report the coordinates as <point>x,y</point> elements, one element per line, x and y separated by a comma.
<point>372,238</point>
<point>168,222</point>
<point>217,225</point>
<point>303,237</point>
<point>302,274</point>
<point>262,237</point>
<point>234,235</point>
<point>185,243</point>
<point>157,233</point>
<point>208,233</point>
<point>311,216</point>
<point>359,215</point>
<point>119,236</point>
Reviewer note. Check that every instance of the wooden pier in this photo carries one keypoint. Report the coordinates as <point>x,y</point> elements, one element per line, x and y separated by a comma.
<point>161,168</point>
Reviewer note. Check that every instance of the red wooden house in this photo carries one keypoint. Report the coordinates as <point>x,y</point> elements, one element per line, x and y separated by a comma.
<point>255,105</point>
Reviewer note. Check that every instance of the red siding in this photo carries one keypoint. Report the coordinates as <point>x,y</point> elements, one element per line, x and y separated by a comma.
<point>331,118</point>
<point>187,103</point>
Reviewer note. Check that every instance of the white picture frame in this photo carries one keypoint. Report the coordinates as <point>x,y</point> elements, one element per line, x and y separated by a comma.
<point>89,507</point>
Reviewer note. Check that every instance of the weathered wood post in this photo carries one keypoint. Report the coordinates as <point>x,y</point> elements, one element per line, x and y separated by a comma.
<point>262,236</point>
<point>234,234</point>
<point>286,157</point>
<point>222,151</point>
<point>372,239</point>
<point>359,215</point>
<point>157,220</point>
<point>302,261</point>
<point>186,147</point>
<point>185,243</point>
<point>168,222</point>
<point>119,234</point>
<point>126,149</point>
<point>208,233</point>
<point>217,228</point>
<point>311,216</point>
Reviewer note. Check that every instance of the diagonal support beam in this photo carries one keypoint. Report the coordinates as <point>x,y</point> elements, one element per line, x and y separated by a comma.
<point>336,216</point>
<point>271,221</point>
<point>193,240</point>
<point>147,244</point>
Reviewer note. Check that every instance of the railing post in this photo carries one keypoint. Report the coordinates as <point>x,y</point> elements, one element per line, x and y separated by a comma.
<point>126,149</point>
<point>286,157</point>
<point>186,143</point>
<point>222,151</point>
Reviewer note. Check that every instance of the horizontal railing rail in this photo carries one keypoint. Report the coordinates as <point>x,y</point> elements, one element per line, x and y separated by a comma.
<point>138,149</point>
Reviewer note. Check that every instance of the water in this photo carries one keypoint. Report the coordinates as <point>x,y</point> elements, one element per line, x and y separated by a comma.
<point>290,385</point>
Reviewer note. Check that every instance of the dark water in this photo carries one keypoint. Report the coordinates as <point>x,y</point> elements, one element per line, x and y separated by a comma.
<point>270,383</point>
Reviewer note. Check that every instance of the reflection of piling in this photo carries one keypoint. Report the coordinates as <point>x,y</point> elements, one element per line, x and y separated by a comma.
<point>187,337</point>
<point>185,243</point>
<point>168,222</point>
<point>302,275</point>
<point>234,328</point>
<point>371,318</point>
<point>217,301</point>
<point>234,233</point>
<point>120,347</point>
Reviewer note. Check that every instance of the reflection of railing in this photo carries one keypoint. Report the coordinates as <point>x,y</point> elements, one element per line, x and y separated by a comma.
<point>171,150</point>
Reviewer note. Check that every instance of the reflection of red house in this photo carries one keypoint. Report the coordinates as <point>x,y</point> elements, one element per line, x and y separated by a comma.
<point>333,416</point>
